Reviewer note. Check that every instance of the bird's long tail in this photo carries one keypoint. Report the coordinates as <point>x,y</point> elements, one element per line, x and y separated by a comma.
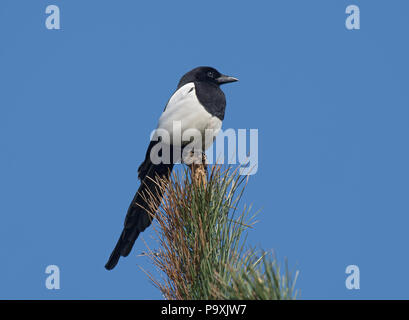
<point>137,218</point>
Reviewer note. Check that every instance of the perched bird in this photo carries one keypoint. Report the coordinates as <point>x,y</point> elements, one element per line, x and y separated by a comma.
<point>198,103</point>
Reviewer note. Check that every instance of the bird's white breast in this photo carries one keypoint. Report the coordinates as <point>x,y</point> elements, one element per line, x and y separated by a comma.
<point>184,112</point>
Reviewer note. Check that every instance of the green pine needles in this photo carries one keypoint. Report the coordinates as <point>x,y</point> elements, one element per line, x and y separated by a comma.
<point>202,242</point>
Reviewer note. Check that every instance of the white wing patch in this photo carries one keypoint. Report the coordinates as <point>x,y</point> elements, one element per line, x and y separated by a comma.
<point>184,112</point>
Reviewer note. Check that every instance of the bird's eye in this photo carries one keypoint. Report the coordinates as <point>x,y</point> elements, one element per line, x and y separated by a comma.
<point>210,74</point>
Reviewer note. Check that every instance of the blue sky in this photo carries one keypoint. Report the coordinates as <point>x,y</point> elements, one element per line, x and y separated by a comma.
<point>331,105</point>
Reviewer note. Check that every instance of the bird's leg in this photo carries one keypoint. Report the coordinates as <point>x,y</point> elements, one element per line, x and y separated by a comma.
<point>204,162</point>
<point>198,167</point>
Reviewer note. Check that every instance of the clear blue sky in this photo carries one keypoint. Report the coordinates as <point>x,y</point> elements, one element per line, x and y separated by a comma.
<point>332,108</point>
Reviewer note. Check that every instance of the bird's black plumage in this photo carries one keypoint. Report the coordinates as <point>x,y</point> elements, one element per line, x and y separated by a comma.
<point>212,98</point>
<point>208,88</point>
<point>209,102</point>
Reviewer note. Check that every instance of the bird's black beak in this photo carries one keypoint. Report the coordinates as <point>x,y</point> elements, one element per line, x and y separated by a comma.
<point>226,79</point>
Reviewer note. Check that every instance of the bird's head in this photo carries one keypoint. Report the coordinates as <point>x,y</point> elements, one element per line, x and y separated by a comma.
<point>206,74</point>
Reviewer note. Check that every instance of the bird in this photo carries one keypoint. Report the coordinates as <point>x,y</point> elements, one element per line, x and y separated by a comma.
<point>198,103</point>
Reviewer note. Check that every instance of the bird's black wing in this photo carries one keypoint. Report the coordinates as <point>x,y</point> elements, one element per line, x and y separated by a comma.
<point>137,218</point>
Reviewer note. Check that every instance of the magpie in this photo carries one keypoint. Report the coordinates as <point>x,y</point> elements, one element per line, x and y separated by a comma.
<point>198,103</point>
